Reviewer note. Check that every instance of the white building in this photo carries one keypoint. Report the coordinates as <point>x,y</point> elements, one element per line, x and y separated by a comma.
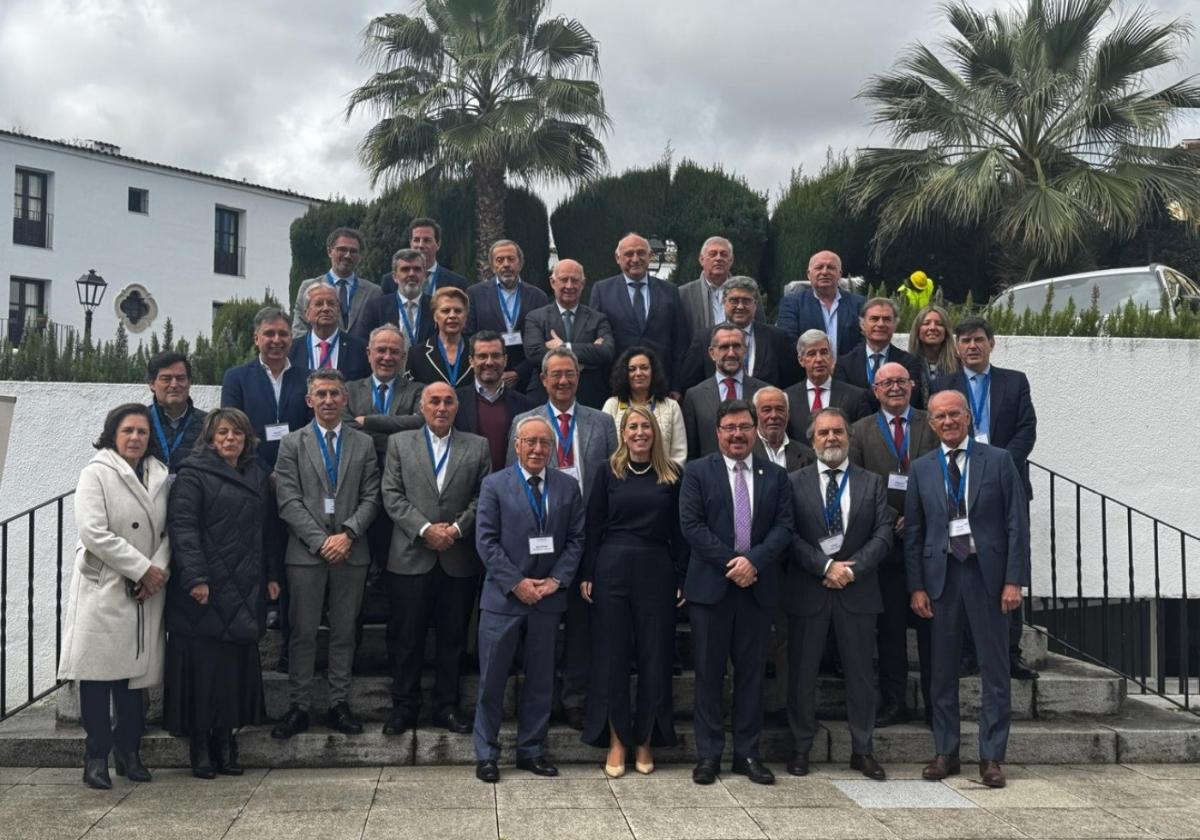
<point>169,242</point>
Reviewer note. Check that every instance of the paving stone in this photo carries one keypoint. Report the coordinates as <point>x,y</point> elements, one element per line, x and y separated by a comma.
<point>1176,823</point>
<point>895,770</point>
<point>299,825</point>
<point>648,792</point>
<point>945,824</point>
<point>423,824</point>
<point>902,794</point>
<point>1133,792</point>
<point>556,794</point>
<point>14,775</point>
<point>659,823</point>
<point>299,796</point>
<point>321,775</point>
<point>442,793</point>
<point>1068,823</point>
<point>593,824</point>
<point>1167,771</point>
<point>787,792</point>
<point>176,799</point>
<point>816,824</point>
<point>121,825</point>
<point>1020,793</point>
<point>55,799</point>
<point>37,826</point>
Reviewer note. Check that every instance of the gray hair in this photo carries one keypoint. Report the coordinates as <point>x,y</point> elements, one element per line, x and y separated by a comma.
<point>559,353</point>
<point>881,301</point>
<point>808,433</point>
<point>389,328</point>
<point>270,313</point>
<point>720,239</point>
<point>742,283</point>
<point>767,390</point>
<point>724,326</point>
<point>810,337</point>
<point>501,243</point>
<point>407,255</point>
<point>525,421</point>
<point>326,375</point>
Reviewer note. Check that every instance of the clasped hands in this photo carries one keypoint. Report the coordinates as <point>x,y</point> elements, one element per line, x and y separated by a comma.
<point>839,575</point>
<point>531,590</point>
<point>336,548</point>
<point>151,583</point>
<point>440,536</point>
<point>741,571</point>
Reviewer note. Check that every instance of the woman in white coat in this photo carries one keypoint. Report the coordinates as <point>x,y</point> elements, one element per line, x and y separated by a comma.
<point>113,642</point>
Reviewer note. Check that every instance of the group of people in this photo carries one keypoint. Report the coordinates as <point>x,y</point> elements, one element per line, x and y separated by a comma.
<point>524,463</point>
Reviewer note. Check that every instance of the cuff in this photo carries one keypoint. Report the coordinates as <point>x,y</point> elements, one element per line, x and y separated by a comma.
<point>424,528</point>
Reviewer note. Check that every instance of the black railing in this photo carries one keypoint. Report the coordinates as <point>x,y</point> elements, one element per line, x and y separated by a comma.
<point>13,331</point>
<point>34,229</point>
<point>230,262</point>
<point>37,617</point>
<point>1129,609</point>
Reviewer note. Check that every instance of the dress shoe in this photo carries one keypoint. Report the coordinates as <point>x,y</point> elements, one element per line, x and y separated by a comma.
<point>614,771</point>
<point>574,718</point>
<point>453,721</point>
<point>891,715</point>
<point>95,774</point>
<point>644,767</point>
<point>798,764</point>
<point>339,717</point>
<point>706,771</point>
<point>991,774</point>
<point>131,767</point>
<point>398,724</point>
<point>538,765</point>
<point>868,766</point>
<point>224,751</point>
<point>487,771</point>
<point>295,721</point>
<point>754,770</point>
<point>199,757</point>
<point>941,767</point>
<point>1019,669</point>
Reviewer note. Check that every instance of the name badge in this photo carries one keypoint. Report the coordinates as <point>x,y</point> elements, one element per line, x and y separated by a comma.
<point>330,507</point>
<point>832,545</point>
<point>573,472</point>
<point>981,438</point>
<point>511,338</point>
<point>276,431</point>
<point>541,545</point>
<point>960,527</point>
<point>897,481</point>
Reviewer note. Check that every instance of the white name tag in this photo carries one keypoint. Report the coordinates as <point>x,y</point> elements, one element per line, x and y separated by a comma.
<point>960,527</point>
<point>571,471</point>
<point>511,338</point>
<point>832,545</point>
<point>541,545</point>
<point>897,481</point>
<point>276,431</point>
<point>981,438</point>
<point>330,506</point>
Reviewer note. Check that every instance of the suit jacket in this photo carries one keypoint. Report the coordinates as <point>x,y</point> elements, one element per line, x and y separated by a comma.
<point>385,309</point>
<point>796,455</point>
<point>706,518</point>
<point>425,365</point>
<point>700,413</point>
<point>485,314</point>
<point>867,541</point>
<point>248,387</point>
<point>302,485</point>
<point>694,297</point>
<point>442,276</point>
<point>869,450</point>
<point>848,398</point>
<point>351,359</point>
<point>505,521</point>
<point>996,509</point>
<point>364,292</point>
<point>801,311</point>
<point>666,331</point>
<point>852,368</point>
<point>467,419</point>
<point>1012,422</point>
<point>774,358</point>
<point>596,440</point>
<point>403,413</point>
<point>594,359</point>
<point>412,500</point>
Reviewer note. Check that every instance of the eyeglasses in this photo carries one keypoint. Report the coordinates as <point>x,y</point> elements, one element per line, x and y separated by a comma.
<point>562,374</point>
<point>730,428</point>
<point>739,302</point>
<point>342,249</point>
<point>893,383</point>
<point>539,443</point>
<point>728,348</point>
<point>943,416</point>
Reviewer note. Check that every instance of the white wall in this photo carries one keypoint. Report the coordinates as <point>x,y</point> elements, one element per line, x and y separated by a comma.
<point>168,251</point>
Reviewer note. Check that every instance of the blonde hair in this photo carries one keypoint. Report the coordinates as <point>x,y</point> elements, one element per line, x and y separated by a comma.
<point>947,359</point>
<point>666,469</point>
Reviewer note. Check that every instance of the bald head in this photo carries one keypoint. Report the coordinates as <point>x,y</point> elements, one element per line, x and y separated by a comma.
<point>439,405</point>
<point>567,282</point>
<point>633,256</point>
<point>893,388</point>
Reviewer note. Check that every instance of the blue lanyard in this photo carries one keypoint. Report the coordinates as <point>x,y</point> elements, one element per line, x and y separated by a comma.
<point>872,371</point>
<point>955,493</point>
<point>351,289</point>
<point>540,512</point>
<point>451,369</point>
<point>979,408</point>
<point>409,327</point>
<point>837,500</point>
<point>386,407</point>
<point>564,443</point>
<point>331,464</point>
<point>510,313</point>
<point>169,449</point>
<point>891,442</point>
<point>327,355</point>
<point>435,463</point>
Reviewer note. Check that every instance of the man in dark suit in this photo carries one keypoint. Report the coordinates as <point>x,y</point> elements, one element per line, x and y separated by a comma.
<point>345,248</point>
<point>487,408</point>
<point>773,442</point>
<point>529,532</point>
<point>643,310</point>
<point>425,236</point>
<point>843,532</point>
<point>769,354</point>
<point>966,551</point>
<point>736,512</point>
<point>886,443</point>
<point>824,306</point>
<point>327,487</point>
<point>430,489</point>
<point>819,389</point>
<point>324,345</point>
<point>566,322</point>
<point>174,420</point>
<point>501,304</point>
<point>1001,415</point>
<point>859,366</point>
<point>406,305</point>
<point>727,350</point>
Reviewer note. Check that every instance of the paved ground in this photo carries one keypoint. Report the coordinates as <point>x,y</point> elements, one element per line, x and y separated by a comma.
<point>1101,801</point>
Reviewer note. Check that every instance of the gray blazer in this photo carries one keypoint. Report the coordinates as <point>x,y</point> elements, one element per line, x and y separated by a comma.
<point>404,412</point>
<point>700,413</point>
<point>412,500</point>
<point>364,292</point>
<point>870,451</point>
<point>301,487</point>
<point>597,440</point>
<point>694,296</point>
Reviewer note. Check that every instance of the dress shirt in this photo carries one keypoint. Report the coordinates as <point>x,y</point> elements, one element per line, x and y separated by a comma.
<point>964,468</point>
<point>737,384</point>
<point>276,383</point>
<point>479,389</point>
<point>845,500</point>
<point>431,278</point>
<point>578,459</point>
<point>716,305</point>
<point>829,313</point>
<point>906,426</point>
<point>314,349</point>
<point>562,311</point>
<point>983,423</point>
<point>391,392</point>
<point>747,473</point>
<point>825,392</point>
<point>509,296</point>
<point>776,456</point>
<point>412,308</point>
<point>748,364</point>
<point>645,281</point>
<point>525,474</point>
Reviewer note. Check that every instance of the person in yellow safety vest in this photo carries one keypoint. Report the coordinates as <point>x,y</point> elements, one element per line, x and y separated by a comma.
<point>917,289</point>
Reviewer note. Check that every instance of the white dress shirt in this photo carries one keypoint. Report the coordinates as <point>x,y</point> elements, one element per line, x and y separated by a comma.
<point>775,456</point>
<point>964,469</point>
<point>845,500</point>
<point>578,461</point>
<point>825,392</point>
<point>276,383</point>
<point>314,349</point>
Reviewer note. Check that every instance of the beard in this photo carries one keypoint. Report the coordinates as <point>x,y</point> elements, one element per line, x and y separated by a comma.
<point>831,456</point>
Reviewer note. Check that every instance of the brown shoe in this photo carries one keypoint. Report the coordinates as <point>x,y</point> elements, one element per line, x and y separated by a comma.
<point>941,767</point>
<point>868,766</point>
<point>991,774</point>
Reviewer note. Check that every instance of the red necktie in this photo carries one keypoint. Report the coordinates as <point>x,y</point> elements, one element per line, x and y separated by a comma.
<point>898,437</point>
<point>730,388</point>
<point>566,457</point>
<point>324,360</point>
<point>816,406</point>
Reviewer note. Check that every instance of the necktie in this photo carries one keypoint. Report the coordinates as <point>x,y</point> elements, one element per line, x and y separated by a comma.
<point>566,457</point>
<point>876,361</point>
<point>383,397</point>
<point>535,486</point>
<point>412,317</point>
<point>741,508</point>
<point>331,443</point>
<point>639,304</point>
<point>730,388</point>
<point>568,324</point>
<point>831,488</point>
<point>898,438</point>
<point>960,547</point>
<point>817,404</point>
<point>344,298</point>
<point>323,360</point>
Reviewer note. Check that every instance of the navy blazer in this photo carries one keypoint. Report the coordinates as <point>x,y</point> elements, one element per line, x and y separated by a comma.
<point>385,309</point>
<point>852,368</point>
<point>442,276</point>
<point>666,331</point>
<point>504,522</point>
<point>1013,423</point>
<point>706,519</point>
<point>801,311</point>
<point>775,361</point>
<point>484,313</point>
<point>247,387</point>
<point>996,509</point>
<point>352,355</point>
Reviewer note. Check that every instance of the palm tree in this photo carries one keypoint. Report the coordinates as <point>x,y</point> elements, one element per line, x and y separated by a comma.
<point>1037,130</point>
<point>482,88</point>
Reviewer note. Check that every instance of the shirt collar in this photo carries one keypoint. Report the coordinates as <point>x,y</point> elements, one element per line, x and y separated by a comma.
<point>837,296</point>
<point>440,440</point>
<point>377,381</point>
<point>501,287</point>
<point>962,446</point>
<point>562,310</point>
<point>967,372</point>
<point>570,412</point>
<point>810,385</point>
<point>479,389</point>
<point>287,364</point>
<point>721,377</point>
<point>166,418</point>
<point>843,467</point>
<point>526,474</point>
<point>729,462</point>
<point>629,281</point>
<point>352,280</point>
<point>337,430</point>
<point>767,444</point>
<point>888,417</point>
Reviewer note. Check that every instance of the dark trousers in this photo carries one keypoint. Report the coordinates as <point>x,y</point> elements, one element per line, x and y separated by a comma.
<point>965,601</point>
<point>102,736</point>
<point>736,628</point>
<point>499,635</point>
<point>891,633</point>
<point>416,601</point>
<point>577,649</point>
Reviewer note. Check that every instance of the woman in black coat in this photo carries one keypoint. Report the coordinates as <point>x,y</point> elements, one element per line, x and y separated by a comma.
<point>223,553</point>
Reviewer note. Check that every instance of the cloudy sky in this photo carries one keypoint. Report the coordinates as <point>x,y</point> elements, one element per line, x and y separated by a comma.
<point>257,89</point>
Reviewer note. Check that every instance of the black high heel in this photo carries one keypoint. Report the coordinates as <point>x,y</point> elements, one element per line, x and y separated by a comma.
<point>131,767</point>
<point>95,773</point>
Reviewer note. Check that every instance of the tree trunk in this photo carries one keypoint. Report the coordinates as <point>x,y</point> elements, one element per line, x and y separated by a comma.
<point>488,179</point>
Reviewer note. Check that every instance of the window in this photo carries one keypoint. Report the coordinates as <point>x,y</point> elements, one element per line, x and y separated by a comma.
<point>31,221</point>
<point>227,247</point>
<point>26,301</point>
<point>139,200</point>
